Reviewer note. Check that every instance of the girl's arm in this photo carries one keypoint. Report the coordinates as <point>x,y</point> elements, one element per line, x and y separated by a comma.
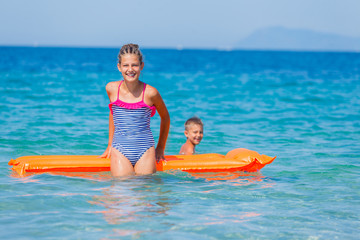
<point>164,125</point>
<point>107,153</point>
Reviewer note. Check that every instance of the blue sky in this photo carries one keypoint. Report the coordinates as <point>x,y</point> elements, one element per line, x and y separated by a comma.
<point>166,23</point>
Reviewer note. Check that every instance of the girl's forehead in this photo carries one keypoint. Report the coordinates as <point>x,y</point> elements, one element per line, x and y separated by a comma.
<point>129,58</point>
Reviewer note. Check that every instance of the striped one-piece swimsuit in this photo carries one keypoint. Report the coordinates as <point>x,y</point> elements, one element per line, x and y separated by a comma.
<point>132,135</point>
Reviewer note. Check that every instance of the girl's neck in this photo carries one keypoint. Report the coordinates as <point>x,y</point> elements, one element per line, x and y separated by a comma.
<point>132,86</point>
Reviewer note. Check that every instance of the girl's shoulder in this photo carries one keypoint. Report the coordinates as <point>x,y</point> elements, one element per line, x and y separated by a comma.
<point>150,91</point>
<point>111,86</point>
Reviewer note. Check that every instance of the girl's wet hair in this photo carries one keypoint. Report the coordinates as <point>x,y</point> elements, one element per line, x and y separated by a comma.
<point>193,120</point>
<point>130,49</point>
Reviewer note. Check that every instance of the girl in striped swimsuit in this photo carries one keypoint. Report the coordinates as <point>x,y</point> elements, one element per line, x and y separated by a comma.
<point>132,103</point>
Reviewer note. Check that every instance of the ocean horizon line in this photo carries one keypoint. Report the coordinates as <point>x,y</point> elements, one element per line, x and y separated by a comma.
<point>185,48</point>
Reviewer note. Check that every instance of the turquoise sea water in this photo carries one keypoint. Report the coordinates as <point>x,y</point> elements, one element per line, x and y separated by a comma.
<point>303,107</point>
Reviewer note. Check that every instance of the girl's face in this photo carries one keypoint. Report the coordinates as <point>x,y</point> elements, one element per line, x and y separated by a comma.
<point>130,67</point>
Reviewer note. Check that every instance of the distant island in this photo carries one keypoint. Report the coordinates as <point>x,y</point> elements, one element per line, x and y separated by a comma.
<point>280,38</point>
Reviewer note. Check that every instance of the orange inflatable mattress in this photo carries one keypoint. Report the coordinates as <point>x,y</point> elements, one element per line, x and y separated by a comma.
<point>240,159</point>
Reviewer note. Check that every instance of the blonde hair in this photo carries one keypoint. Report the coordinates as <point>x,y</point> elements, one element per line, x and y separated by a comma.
<point>130,49</point>
<point>193,120</point>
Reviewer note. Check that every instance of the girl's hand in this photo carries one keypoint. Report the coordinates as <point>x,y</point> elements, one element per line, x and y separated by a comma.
<point>159,154</point>
<point>107,153</point>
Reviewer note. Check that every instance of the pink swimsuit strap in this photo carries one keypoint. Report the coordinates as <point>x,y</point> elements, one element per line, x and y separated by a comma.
<point>136,105</point>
